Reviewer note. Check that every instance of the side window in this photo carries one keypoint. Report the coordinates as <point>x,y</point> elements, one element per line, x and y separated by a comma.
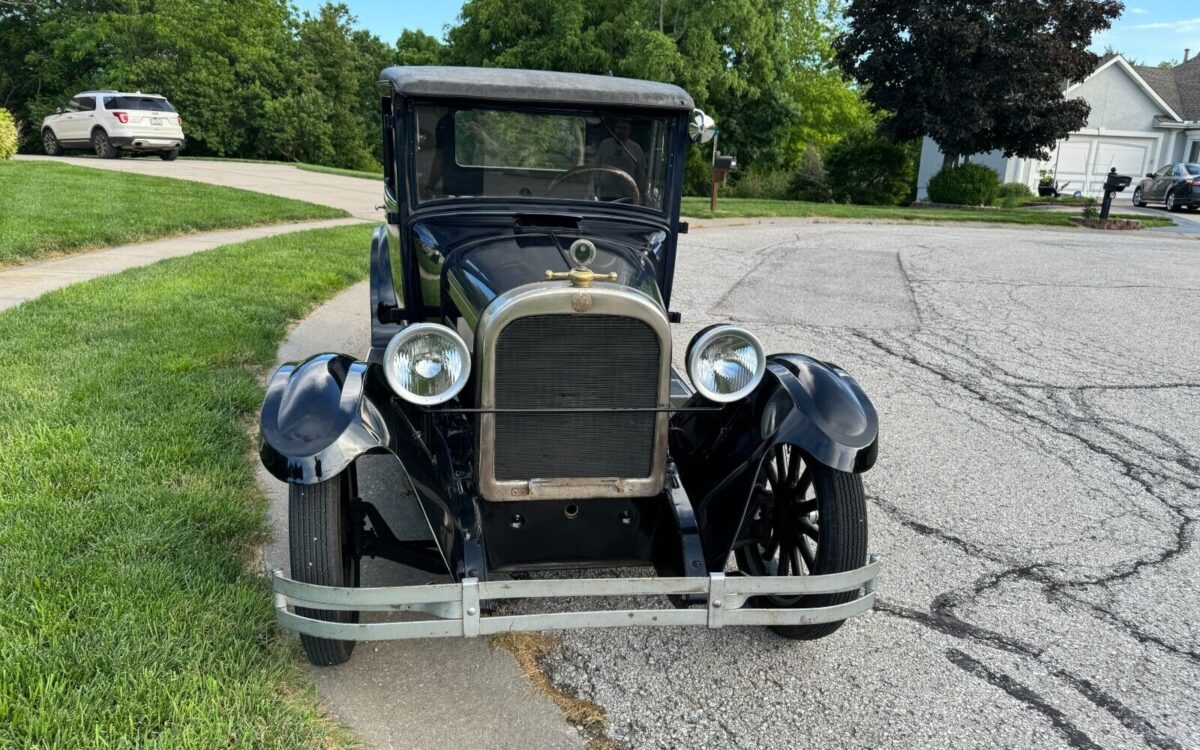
<point>1177,170</point>
<point>86,103</point>
<point>1164,172</point>
<point>71,106</point>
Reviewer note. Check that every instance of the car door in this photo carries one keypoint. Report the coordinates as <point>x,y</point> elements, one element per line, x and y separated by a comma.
<point>1162,181</point>
<point>84,119</point>
<point>64,120</point>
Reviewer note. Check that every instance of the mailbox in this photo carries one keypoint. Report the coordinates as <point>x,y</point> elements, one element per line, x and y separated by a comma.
<point>723,164</point>
<point>1113,185</point>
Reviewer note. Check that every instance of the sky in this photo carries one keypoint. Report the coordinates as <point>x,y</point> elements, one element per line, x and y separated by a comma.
<point>1149,31</point>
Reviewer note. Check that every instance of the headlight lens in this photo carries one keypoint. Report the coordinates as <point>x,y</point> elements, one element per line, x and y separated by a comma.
<point>725,363</point>
<point>427,363</point>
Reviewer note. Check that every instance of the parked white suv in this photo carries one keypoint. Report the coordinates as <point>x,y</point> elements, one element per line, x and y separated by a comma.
<point>109,122</point>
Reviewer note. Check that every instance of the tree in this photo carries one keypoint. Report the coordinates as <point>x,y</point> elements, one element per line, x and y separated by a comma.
<point>975,75</point>
<point>419,48</point>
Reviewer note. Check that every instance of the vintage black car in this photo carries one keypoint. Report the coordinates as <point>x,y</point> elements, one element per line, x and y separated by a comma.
<point>521,372</point>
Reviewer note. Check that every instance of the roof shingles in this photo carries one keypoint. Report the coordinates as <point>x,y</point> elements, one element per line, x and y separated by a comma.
<point>1179,86</point>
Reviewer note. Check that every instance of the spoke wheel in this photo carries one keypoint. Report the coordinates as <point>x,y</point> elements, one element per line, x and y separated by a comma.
<point>50,143</point>
<point>1137,198</point>
<point>1171,202</point>
<point>806,519</point>
<point>319,536</point>
<point>103,146</point>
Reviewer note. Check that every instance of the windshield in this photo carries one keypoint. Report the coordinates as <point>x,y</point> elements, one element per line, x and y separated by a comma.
<point>1192,169</point>
<point>508,153</point>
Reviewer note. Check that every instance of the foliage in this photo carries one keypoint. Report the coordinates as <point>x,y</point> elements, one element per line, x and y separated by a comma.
<point>810,181</point>
<point>763,68</point>
<point>35,222</point>
<point>1014,190</point>
<point>761,182</point>
<point>867,168</point>
<point>130,617</point>
<point>258,79</point>
<point>965,185</point>
<point>8,134</point>
<point>975,75</point>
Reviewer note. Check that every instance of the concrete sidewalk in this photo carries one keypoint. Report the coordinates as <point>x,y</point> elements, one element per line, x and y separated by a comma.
<point>23,283</point>
<point>356,195</point>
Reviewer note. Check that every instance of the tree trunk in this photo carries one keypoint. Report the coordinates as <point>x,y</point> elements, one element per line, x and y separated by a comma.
<point>949,160</point>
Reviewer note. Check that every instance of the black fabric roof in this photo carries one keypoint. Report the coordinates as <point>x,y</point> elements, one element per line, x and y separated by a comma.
<point>534,86</point>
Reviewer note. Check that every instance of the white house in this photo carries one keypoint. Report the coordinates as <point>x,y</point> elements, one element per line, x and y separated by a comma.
<point>1141,119</point>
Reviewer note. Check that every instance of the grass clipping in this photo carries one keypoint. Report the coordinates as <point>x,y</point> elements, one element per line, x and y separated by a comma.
<point>529,649</point>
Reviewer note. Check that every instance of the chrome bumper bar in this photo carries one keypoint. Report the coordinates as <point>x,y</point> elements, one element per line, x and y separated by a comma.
<point>456,612</point>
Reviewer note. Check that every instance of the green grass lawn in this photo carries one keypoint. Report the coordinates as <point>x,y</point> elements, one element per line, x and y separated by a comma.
<point>129,512</point>
<point>754,208</point>
<point>49,209</point>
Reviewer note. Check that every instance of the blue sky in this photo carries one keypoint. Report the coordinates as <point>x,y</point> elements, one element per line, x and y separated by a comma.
<point>1149,31</point>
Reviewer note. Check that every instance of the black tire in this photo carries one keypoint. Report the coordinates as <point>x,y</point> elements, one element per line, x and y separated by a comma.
<point>823,529</point>
<point>318,537</point>
<point>50,143</point>
<point>1137,198</point>
<point>1172,206</point>
<point>103,146</point>
<point>169,155</point>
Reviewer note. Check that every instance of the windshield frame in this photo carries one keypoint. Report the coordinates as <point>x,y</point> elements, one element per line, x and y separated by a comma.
<point>671,183</point>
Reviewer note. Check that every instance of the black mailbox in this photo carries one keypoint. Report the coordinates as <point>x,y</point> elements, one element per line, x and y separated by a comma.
<point>1116,182</point>
<point>724,163</point>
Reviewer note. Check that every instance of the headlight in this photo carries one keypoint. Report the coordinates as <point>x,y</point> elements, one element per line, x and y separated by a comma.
<point>426,363</point>
<point>725,363</point>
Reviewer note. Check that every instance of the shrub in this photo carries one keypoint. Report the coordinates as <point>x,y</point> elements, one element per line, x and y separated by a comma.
<point>8,134</point>
<point>965,185</point>
<point>868,168</point>
<point>1014,190</point>
<point>697,173</point>
<point>809,182</point>
<point>760,182</point>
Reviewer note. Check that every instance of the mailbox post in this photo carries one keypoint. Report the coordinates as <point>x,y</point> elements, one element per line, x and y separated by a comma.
<point>1113,185</point>
<point>720,167</point>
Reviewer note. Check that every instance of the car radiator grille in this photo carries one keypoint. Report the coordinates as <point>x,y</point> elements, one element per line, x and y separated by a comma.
<point>573,361</point>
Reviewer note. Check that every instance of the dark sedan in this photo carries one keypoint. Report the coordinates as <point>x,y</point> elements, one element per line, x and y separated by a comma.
<point>1176,185</point>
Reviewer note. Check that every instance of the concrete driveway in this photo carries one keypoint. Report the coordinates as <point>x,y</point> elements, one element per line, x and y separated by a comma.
<point>1035,502</point>
<point>356,195</point>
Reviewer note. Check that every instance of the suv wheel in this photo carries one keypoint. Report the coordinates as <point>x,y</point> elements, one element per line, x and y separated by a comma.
<point>50,143</point>
<point>103,147</point>
<point>169,155</point>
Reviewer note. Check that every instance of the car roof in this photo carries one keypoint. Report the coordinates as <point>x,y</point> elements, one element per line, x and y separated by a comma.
<point>532,86</point>
<point>120,93</point>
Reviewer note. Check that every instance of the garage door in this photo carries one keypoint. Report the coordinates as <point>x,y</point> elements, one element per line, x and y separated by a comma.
<point>1084,160</point>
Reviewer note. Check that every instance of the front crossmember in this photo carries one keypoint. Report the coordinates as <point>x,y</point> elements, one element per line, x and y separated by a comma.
<point>456,611</point>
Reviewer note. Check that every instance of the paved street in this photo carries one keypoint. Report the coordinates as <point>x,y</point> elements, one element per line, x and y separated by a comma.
<point>1034,501</point>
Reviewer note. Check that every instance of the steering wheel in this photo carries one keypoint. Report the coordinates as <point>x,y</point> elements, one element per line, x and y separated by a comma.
<point>626,180</point>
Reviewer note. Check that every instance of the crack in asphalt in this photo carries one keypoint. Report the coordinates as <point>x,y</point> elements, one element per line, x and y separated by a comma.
<point>1148,475</point>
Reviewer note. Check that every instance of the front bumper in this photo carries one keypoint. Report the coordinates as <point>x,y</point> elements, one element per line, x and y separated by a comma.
<point>455,607</point>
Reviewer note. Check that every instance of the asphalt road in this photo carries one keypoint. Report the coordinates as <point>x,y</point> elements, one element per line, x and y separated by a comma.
<point>1035,504</point>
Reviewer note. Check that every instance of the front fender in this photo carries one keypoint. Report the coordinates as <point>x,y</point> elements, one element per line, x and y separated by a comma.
<point>321,414</point>
<point>812,405</point>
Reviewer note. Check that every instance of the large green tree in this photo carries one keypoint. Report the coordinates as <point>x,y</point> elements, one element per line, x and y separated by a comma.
<point>975,75</point>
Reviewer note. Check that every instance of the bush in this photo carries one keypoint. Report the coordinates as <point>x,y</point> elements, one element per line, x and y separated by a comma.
<point>760,182</point>
<point>8,134</point>
<point>965,185</point>
<point>810,183</point>
<point>867,168</point>
<point>697,173</point>
<point>1014,190</point>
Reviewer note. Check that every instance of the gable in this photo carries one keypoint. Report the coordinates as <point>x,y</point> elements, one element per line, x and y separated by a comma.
<point>1121,98</point>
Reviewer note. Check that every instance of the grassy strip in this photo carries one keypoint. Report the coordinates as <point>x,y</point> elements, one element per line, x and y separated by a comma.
<point>340,171</point>
<point>51,208</point>
<point>755,208</point>
<point>129,510</point>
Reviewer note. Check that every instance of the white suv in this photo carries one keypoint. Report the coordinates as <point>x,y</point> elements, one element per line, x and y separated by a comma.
<point>109,122</point>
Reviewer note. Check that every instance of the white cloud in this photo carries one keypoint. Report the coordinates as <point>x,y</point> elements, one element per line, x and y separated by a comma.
<point>1182,26</point>
<point>1138,11</point>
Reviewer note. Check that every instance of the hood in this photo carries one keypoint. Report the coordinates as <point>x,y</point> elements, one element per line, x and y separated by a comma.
<point>476,269</point>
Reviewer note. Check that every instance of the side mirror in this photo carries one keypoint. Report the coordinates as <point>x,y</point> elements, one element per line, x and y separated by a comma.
<point>702,128</point>
<point>58,110</point>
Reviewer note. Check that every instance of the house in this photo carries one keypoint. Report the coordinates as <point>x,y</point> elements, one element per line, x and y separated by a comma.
<point>1141,119</point>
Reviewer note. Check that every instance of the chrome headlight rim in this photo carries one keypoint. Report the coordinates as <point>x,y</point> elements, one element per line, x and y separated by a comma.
<point>704,338</point>
<point>410,332</point>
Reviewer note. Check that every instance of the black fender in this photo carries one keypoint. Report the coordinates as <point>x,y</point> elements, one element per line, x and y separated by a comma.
<point>386,310</point>
<point>812,405</point>
<point>321,414</point>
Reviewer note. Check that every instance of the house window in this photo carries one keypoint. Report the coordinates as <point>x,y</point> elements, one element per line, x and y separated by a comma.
<point>1194,151</point>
